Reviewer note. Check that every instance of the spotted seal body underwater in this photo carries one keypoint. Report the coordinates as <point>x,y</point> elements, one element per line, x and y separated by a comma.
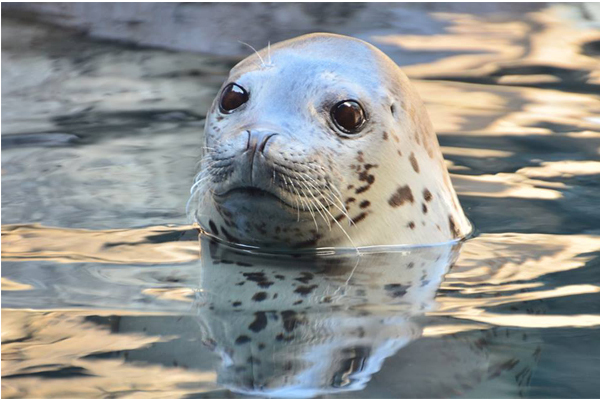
<point>322,141</point>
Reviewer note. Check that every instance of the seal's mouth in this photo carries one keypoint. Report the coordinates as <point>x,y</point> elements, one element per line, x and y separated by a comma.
<point>252,193</point>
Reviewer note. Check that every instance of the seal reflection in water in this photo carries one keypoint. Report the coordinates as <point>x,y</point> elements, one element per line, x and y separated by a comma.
<point>311,324</point>
<point>322,141</point>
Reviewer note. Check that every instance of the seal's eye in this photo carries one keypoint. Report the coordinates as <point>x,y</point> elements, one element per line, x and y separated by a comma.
<point>233,96</point>
<point>348,115</point>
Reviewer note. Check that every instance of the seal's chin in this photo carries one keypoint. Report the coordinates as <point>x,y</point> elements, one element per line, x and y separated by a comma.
<point>258,217</point>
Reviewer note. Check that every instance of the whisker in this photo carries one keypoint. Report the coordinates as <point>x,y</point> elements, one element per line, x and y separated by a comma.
<point>269,52</point>
<point>318,208</point>
<point>306,205</point>
<point>343,230</point>
<point>256,52</point>
<point>331,197</point>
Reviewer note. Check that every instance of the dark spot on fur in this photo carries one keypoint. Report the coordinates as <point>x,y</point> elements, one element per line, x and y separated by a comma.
<point>364,176</point>
<point>243,264</point>
<point>305,277</point>
<point>260,296</point>
<point>305,290</point>
<point>242,339</point>
<point>359,217</point>
<point>453,228</point>
<point>413,162</point>
<point>259,323</point>
<point>259,278</point>
<point>236,303</point>
<point>385,134</point>
<point>290,320</point>
<point>365,204</point>
<point>424,208</point>
<point>298,302</point>
<point>362,189</point>
<point>282,338</point>
<point>411,225</point>
<point>280,277</point>
<point>402,195</point>
<point>395,290</point>
<point>427,195</point>
<point>253,360</point>
<point>261,346</point>
<point>359,157</point>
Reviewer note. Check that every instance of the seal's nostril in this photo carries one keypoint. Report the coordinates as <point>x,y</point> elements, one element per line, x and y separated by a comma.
<point>249,138</point>
<point>262,146</point>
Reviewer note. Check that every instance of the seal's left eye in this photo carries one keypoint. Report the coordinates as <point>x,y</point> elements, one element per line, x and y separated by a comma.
<point>233,97</point>
<point>348,115</point>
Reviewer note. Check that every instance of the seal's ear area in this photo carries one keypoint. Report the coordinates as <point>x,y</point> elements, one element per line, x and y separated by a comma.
<point>394,110</point>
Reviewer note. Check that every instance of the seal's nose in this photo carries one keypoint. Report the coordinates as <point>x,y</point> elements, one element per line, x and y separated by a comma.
<point>257,141</point>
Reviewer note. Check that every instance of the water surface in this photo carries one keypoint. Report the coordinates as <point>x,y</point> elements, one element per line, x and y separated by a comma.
<point>107,293</point>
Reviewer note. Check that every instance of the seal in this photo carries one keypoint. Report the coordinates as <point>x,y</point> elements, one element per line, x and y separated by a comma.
<point>321,141</point>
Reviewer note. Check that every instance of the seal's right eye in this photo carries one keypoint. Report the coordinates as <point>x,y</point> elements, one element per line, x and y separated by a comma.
<point>349,116</point>
<point>233,97</point>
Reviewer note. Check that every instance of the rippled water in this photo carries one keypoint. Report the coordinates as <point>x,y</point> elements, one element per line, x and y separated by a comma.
<point>105,292</point>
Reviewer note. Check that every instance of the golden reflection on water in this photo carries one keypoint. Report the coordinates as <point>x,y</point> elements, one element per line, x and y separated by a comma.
<point>566,169</point>
<point>8,285</point>
<point>178,294</point>
<point>504,259</point>
<point>115,246</point>
<point>507,185</point>
<point>475,109</point>
<point>35,341</point>
<point>549,37</point>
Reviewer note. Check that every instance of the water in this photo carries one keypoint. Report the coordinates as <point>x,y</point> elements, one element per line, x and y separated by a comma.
<point>105,292</point>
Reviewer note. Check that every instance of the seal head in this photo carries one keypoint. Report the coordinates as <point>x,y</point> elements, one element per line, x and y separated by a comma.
<point>321,141</point>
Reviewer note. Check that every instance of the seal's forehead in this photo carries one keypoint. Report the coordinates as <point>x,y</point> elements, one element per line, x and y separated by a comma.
<point>326,52</point>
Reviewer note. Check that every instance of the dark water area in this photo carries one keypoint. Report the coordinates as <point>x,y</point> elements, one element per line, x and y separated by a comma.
<point>107,291</point>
